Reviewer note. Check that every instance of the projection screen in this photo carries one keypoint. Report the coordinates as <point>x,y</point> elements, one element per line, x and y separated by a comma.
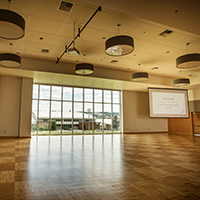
<point>168,103</point>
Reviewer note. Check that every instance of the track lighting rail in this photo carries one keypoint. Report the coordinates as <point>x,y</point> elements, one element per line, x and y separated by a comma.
<point>78,35</point>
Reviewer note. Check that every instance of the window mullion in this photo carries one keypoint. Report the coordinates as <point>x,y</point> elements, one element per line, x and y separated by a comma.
<point>38,108</point>
<point>102,91</point>
<point>72,110</point>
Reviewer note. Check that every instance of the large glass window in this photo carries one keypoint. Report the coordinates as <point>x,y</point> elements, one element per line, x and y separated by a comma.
<point>67,93</point>
<point>97,95</point>
<point>88,118</point>
<point>67,118</point>
<point>116,118</point>
<point>56,93</point>
<point>43,118</point>
<point>98,116</point>
<point>78,94</point>
<point>44,92</point>
<point>78,118</point>
<point>34,116</point>
<point>107,118</point>
<point>55,123</point>
<point>72,110</point>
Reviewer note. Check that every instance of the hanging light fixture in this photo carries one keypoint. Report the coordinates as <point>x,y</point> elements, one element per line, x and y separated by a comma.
<point>181,82</point>
<point>84,68</point>
<point>12,25</point>
<point>140,76</point>
<point>10,60</point>
<point>119,45</point>
<point>188,61</point>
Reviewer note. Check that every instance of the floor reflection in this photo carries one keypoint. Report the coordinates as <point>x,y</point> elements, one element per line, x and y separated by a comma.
<point>132,166</point>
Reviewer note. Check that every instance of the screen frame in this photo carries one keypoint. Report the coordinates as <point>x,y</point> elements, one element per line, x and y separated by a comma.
<point>183,91</point>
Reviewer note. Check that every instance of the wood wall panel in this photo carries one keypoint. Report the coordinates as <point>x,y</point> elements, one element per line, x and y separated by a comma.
<point>180,126</point>
<point>196,122</point>
<point>196,118</point>
<point>196,129</point>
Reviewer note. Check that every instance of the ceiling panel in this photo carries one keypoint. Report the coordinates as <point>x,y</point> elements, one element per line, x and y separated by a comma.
<point>44,25</point>
<point>145,31</point>
<point>49,10</point>
<point>56,28</point>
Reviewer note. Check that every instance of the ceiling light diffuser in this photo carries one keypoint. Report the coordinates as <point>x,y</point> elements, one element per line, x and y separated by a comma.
<point>188,61</point>
<point>181,82</point>
<point>119,45</point>
<point>12,25</point>
<point>84,69</point>
<point>140,76</point>
<point>10,60</point>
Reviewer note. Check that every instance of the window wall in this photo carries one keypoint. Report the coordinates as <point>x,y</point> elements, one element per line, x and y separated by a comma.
<point>75,110</point>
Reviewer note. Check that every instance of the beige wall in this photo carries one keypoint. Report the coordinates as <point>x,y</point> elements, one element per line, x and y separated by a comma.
<point>26,107</point>
<point>194,100</point>
<point>15,106</point>
<point>136,114</point>
<point>196,94</point>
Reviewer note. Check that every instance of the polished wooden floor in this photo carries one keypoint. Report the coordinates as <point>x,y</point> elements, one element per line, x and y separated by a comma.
<point>139,166</point>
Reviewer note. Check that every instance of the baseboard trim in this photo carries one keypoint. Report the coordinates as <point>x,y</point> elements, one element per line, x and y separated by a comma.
<point>8,136</point>
<point>146,132</point>
<point>15,137</point>
<point>179,133</point>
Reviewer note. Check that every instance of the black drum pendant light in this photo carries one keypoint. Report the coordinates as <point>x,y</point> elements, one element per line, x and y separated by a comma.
<point>10,60</point>
<point>12,25</point>
<point>84,68</point>
<point>119,45</point>
<point>188,61</point>
<point>181,82</point>
<point>140,76</point>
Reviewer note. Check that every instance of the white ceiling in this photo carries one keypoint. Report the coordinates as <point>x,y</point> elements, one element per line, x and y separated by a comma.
<point>144,24</point>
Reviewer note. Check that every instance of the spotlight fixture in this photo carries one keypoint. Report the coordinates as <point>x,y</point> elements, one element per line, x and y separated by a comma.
<point>188,61</point>
<point>73,51</point>
<point>10,60</point>
<point>119,45</point>
<point>181,82</point>
<point>140,76</point>
<point>84,68</point>
<point>12,25</point>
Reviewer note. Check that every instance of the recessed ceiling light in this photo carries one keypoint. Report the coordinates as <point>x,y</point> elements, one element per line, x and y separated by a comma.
<point>45,51</point>
<point>113,61</point>
<point>166,33</point>
<point>153,68</point>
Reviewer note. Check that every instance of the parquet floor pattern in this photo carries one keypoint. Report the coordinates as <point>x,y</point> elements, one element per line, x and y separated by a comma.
<point>100,167</point>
